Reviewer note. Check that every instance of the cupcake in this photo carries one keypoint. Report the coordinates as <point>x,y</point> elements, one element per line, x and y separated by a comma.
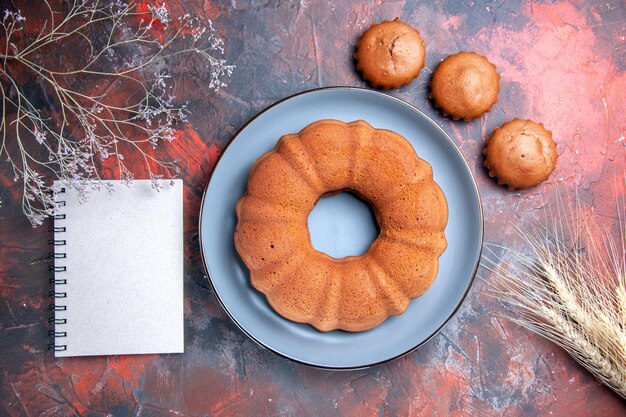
<point>520,154</point>
<point>464,86</point>
<point>390,54</point>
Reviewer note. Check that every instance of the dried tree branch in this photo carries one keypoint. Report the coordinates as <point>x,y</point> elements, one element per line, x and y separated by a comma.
<point>79,130</point>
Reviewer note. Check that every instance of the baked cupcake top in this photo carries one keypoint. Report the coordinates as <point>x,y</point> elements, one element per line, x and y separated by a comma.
<point>390,54</point>
<point>465,85</point>
<point>520,154</point>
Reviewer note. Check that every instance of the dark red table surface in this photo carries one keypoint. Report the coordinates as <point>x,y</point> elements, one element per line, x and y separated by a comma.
<point>562,64</point>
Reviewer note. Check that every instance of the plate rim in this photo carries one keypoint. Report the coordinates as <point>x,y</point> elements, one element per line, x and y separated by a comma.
<point>469,283</point>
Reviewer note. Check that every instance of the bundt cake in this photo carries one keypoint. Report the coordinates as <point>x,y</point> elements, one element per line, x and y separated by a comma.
<point>354,293</point>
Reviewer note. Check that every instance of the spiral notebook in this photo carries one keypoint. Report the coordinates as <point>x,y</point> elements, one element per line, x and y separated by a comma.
<point>118,270</point>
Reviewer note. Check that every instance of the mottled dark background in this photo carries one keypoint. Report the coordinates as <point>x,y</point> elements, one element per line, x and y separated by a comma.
<point>562,63</point>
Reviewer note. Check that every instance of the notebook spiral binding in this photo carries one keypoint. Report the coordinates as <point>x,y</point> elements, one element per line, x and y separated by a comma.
<point>55,306</point>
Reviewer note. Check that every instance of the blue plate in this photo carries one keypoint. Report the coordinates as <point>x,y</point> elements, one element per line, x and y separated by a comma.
<point>396,336</point>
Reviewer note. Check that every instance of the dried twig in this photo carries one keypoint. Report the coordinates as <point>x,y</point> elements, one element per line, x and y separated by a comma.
<point>70,135</point>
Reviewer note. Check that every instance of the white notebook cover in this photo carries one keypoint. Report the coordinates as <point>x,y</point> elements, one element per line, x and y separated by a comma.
<point>124,271</point>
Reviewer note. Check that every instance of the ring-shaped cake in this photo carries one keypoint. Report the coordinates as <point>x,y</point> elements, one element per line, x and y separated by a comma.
<point>353,293</point>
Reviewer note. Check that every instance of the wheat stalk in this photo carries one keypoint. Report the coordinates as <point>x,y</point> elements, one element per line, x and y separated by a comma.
<point>569,287</point>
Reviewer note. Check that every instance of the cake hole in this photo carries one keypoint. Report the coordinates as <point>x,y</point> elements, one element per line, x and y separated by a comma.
<point>342,225</point>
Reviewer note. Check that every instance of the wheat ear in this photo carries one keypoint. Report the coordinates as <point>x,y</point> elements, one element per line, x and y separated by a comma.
<point>569,287</point>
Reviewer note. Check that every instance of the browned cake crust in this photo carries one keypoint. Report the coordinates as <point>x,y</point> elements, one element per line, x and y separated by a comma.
<point>465,85</point>
<point>356,292</point>
<point>390,54</point>
<point>520,154</point>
